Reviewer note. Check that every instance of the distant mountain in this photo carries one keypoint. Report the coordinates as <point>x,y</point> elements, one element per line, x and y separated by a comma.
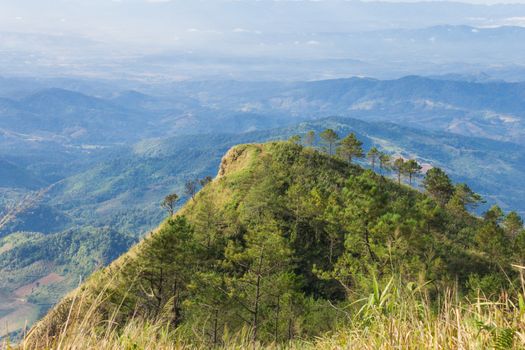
<point>55,101</point>
<point>70,117</point>
<point>76,120</point>
<point>491,109</point>
<point>126,185</point>
<point>14,176</point>
<point>54,133</point>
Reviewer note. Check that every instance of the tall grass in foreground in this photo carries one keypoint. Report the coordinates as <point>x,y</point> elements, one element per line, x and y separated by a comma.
<point>392,317</point>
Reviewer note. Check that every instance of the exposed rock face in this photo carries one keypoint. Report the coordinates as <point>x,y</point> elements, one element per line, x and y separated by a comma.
<point>237,158</point>
<point>230,157</point>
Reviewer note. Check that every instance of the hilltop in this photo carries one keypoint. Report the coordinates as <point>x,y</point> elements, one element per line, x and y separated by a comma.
<point>283,245</point>
<point>122,190</point>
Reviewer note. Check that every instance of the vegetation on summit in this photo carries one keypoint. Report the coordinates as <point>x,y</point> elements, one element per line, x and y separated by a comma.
<point>287,241</point>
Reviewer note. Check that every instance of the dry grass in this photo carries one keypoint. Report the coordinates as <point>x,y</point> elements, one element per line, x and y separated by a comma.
<point>479,325</point>
<point>394,317</point>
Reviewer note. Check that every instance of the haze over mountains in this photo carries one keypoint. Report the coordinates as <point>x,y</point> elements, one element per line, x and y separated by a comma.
<point>254,40</point>
<point>491,109</point>
<point>52,133</point>
<point>113,157</point>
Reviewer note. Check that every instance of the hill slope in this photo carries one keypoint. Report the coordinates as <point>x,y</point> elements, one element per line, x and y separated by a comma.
<point>283,241</point>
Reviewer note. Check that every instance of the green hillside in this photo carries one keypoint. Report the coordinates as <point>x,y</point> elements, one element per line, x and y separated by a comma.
<point>122,191</point>
<point>283,246</point>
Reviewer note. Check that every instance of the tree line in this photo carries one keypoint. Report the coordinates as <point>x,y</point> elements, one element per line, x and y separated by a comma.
<point>350,148</point>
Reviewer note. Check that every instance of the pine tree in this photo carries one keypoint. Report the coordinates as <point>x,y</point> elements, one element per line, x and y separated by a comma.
<point>264,275</point>
<point>384,162</point>
<point>438,185</point>
<point>373,155</point>
<point>206,221</point>
<point>513,224</point>
<point>330,138</point>
<point>191,188</point>
<point>295,139</point>
<point>164,267</point>
<point>399,166</point>
<point>411,168</point>
<point>170,202</point>
<point>491,237</point>
<point>463,200</point>
<point>350,147</point>
<point>206,180</point>
<point>309,139</point>
<point>518,249</point>
<point>375,235</point>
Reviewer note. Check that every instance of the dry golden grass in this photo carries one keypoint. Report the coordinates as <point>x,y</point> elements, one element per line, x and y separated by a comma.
<point>391,318</point>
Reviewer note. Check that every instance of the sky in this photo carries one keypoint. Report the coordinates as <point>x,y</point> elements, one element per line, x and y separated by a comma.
<point>79,32</point>
<point>479,2</point>
<point>167,22</point>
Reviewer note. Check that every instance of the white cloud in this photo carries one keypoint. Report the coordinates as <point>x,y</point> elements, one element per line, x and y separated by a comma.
<point>242,30</point>
<point>209,31</point>
<point>515,21</point>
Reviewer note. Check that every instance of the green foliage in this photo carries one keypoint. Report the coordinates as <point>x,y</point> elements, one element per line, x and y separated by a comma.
<point>309,138</point>
<point>373,155</point>
<point>491,238</point>
<point>486,286</point>
<point>288,240</point>
<point>379,301</point>
<point>89,248</point>
<point>329,137</point>
<point>438,185</point>
<point>463,199</point>
<point>513,224</point>
<point>169,203</point>
<point>264,283</point>
<point>164,266</point>
<point>384,162</point>
<point>349,148</point>
<point>295,139</point>
<point>399,167</point>
<point>504,339</point>
<point>411,168</point>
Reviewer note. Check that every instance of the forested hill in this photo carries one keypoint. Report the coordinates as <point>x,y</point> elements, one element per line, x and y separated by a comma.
<point>283,244</point>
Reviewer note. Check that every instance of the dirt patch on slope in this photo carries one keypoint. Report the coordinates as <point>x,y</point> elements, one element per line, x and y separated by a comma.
<point>26,290</point>
<point>5,248</point>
